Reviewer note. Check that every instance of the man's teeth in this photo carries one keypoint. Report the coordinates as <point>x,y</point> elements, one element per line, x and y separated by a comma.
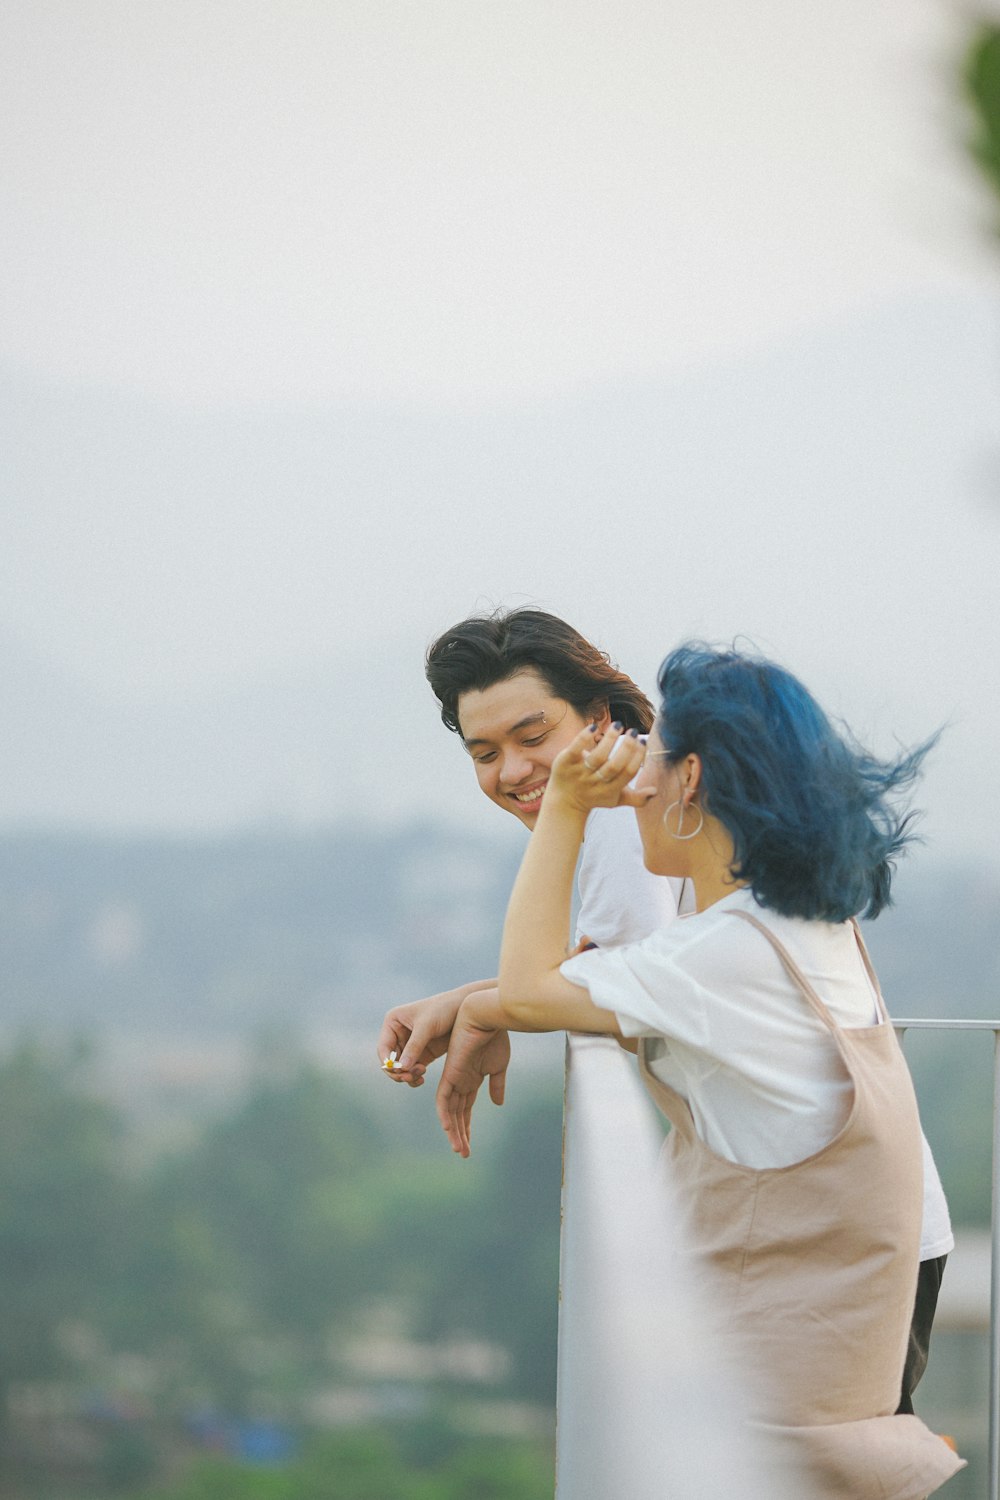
<point>526,797</point>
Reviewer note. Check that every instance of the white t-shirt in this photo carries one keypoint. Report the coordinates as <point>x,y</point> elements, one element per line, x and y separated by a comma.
<point>620,901</point>
<point>735,1037</point>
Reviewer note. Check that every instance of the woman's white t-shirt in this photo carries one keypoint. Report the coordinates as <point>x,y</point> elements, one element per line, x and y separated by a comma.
<point>734,1036</point>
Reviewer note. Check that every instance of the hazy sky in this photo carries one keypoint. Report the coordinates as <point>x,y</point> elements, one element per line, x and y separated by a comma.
<point>464,216</point>
<point>216,201</point>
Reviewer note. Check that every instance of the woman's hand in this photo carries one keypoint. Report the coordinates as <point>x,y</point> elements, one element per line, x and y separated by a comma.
<point>418,1034</point>
<point>476,1051</point>
<point>595,770</point>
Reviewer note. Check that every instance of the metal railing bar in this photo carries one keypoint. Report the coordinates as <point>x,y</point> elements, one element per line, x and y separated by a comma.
<point>902,1023</point>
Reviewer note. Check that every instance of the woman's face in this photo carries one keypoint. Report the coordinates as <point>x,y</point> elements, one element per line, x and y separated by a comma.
<point>513,731</point>
<point>661,854</point>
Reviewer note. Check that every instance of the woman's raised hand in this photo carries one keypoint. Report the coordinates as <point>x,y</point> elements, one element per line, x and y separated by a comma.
<point>595,769</point>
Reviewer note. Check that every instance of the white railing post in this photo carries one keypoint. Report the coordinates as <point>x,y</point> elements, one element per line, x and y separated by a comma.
<point>645,1406</point>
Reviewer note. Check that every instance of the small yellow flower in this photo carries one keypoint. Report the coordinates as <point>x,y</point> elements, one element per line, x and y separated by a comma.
<point>390,1062</point>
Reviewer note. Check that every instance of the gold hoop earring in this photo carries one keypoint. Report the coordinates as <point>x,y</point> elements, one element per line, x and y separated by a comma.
<point>680,822</point>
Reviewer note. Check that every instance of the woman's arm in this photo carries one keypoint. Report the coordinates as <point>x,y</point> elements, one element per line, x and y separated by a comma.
<point>532,994</point>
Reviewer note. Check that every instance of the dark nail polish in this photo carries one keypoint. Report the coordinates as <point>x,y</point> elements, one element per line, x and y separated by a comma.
<point>616,725</point>
<point>633,734</point>
<point>591,728</point>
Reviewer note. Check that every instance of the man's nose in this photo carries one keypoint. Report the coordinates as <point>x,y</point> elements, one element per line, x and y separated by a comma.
<point>516,766</point>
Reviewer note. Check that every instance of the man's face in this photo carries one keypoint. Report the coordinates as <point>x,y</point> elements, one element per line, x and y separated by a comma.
<point>513,731</point>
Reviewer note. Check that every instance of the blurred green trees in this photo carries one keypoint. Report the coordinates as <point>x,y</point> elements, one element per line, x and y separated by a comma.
<point>370,1464</point>
<point>277,1207</point>
<point>235,1270</point>
<point>61,1199</point>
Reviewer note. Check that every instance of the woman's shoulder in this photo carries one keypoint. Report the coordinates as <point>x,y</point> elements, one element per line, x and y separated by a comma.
<point>828,953</point>
<point>719,943</point>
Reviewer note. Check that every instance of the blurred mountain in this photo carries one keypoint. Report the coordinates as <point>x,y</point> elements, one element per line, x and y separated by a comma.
<point>845,476</point>
<point>171,937</point>
<point>282,750</point>
<point>221,936</point>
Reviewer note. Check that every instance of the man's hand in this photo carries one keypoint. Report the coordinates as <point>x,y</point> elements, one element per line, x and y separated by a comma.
<point>417,1034</point>
<point>475,1052</point>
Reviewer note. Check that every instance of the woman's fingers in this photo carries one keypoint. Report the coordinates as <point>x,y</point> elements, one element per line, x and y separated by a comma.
<point>602,768</point>
<point>594,771</point>
<point>618,753</point>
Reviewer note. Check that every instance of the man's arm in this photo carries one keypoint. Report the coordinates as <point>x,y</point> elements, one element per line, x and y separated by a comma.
<point>418,1032</point>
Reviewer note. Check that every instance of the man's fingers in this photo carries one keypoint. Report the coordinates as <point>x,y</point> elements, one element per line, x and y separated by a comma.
<point>392,1038</point>
<point>403,1048</point>
<point>461,1109</point>
<point>449,1105</point>
<point>498,1086</point>
<point>418,1046</point>
<point>443,1106</point>
<point>414,1047</point>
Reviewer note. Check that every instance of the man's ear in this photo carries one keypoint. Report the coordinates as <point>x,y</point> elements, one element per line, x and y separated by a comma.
<point>600,714</point>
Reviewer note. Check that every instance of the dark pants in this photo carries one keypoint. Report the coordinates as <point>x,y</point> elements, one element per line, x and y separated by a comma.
<point>928,1286</point>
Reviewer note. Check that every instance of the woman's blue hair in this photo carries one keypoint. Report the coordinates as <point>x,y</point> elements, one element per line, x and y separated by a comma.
<point>813,817</point>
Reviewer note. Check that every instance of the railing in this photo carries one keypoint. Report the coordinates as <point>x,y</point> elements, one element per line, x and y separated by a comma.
<point>644,1407</point>
<point>642,1400</point>
<point>908,1024</point>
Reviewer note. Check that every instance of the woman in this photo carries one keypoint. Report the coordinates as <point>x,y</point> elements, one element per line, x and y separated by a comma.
<point>796,1148</point>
